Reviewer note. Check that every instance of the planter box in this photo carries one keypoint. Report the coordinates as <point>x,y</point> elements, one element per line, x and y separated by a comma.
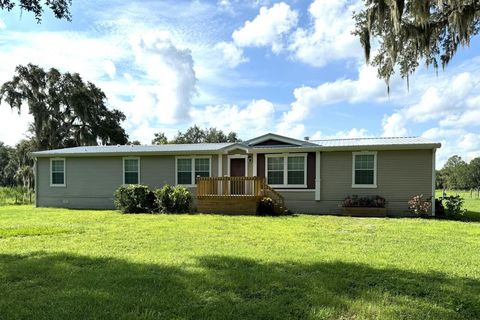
<point>365,212</point>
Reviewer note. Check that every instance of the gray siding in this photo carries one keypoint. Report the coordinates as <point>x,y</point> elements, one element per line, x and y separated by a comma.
<point>400,175</point>
<point>91,181</point>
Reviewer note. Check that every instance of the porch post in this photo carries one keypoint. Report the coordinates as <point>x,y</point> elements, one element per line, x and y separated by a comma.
<point>317,175</point>
<point>220,164</point>
<point>254,173</point>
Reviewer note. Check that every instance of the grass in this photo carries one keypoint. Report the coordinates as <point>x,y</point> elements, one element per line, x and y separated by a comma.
<point>16,195</point>
<point>78,264</point>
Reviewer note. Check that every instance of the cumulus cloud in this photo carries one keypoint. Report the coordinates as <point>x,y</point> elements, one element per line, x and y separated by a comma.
<point>454,103</point>
<point>254,119</point>
<point>13,125</point>
<point>232,54</point>
<point>394,125</point>
<point>267,28</point>
<point>307,99</point>
<point>454,142</point>
<point>348,134</point>
<point>158,90</point>
<point>170,70</point>
<point>329,38</point>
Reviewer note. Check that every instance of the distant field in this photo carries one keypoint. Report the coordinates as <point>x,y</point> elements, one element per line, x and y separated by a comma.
<point>16,195</point>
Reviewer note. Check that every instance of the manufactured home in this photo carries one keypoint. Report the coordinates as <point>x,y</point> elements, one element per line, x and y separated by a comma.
<point>307,176</point>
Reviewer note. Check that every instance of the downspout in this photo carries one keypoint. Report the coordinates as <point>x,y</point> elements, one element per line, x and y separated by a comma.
<point>317,176</point>
<point>434,151</point>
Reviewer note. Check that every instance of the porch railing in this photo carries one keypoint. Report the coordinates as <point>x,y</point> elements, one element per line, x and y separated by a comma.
<point>225,187</point>
<point>230,186</point>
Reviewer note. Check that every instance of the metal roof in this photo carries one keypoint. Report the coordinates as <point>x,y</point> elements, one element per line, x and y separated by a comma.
<point>390,143</point>
<point>136,149</point>
<point>385,141</point>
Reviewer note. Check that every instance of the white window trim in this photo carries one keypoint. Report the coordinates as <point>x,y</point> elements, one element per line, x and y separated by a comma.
<point>64,173</point>
<point>365,186</point>
<point>192,159</point>
<point>285,169</point>
<point>139,166</point>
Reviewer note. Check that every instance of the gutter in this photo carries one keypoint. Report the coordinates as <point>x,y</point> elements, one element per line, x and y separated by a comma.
<point>253,150</point>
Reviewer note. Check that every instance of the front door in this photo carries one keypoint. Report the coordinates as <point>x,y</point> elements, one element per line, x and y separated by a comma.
<point>237,169</point>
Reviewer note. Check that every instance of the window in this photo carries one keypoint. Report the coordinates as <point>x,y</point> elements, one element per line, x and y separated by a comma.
<point>275,170</point>
<point>131,170</point>
<point>287,170</point>
<point>364,173</point>
<point>202,167</point>
<point>184,171</point>
<point>296,170</point>
<point>188,168</point>
<point>57,171</point>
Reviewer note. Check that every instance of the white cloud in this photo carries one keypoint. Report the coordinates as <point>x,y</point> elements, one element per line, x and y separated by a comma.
<point>465,119</point>
<point>330,37</point>
<point>352,133</point>
<point>110,68</point>
<point>307,99</point>
<point>394,125</point>
<point>158,89</point>
<point>254,119</point>
<point>454,142</point>
<point>232,54</point>
<point>13,125</point>
<point>2,25</point>
<point>453,103</point>
<point>268,28</point>
<point>170,69</point>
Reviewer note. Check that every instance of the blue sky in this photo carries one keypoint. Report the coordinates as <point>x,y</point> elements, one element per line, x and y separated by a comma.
<point>290,67</point>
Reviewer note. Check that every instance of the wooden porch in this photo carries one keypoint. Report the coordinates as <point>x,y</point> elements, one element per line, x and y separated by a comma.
<point>234,195</point>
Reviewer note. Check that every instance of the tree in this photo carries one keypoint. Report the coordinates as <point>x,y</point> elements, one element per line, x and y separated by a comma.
<point>412,30</point>
<point>455,173</point>
<point>474,173</point>
<point>159,138</point>
<point>134,143</point>
<point>67,112</point>
<point>60,8</point>
<point>211,135</point>
<point>6,178</point>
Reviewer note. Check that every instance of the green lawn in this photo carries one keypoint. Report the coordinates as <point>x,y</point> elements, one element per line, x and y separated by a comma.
<point>73,264</point>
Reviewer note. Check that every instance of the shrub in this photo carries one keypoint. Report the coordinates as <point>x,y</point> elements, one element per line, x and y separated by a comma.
<point>266,207</point>
<point>364,202</point>
<point>454,206</point>
<point>173,199</point>
<point>419,205</point>
<point>134,199</point>
<point>439,208</point>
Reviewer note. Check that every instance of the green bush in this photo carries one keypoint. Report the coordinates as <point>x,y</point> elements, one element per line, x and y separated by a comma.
<point>453,206</point>
<point>173,199</point>
<point>135,199</point>
<point>266,207</point>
